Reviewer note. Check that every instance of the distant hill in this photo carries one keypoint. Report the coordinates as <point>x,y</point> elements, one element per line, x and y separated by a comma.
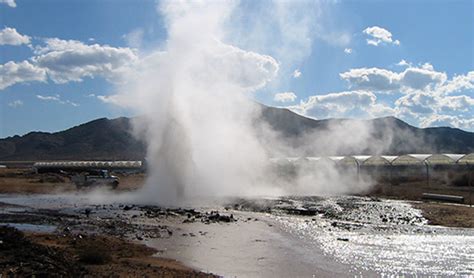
<point>387,135</point>
<point>101,139</point>
<point>106,139</point>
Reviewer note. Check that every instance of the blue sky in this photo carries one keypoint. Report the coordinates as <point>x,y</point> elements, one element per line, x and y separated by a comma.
<point>363,59</point>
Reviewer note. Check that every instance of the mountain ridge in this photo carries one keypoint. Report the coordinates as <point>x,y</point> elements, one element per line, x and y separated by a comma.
<point>111,139</point>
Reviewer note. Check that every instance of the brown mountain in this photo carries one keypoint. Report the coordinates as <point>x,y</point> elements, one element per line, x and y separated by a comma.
<point>105,139</point>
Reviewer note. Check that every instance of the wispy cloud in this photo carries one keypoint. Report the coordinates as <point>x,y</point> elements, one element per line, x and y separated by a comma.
<point>296,73</point>
<point>56,98</point>
<point>10,3</point>
<point>16,103</point>
<point>134,38</point>
<point>285,97</point>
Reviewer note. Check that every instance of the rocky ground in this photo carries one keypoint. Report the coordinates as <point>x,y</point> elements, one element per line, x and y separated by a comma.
<point>66,232</point>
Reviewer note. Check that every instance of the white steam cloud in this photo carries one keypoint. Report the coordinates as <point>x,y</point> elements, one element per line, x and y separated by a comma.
<point>201,127</point>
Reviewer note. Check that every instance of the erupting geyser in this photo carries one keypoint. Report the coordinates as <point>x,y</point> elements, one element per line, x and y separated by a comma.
<point>196,113</point>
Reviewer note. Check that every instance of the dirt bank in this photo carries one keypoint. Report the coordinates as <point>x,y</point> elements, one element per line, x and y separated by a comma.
<point>445,214</point>
<point>449,215</point>
<point>42,255</point>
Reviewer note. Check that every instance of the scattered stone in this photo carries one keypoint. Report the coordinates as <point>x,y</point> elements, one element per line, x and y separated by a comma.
<point>127,207</point>
<point>87,212</point>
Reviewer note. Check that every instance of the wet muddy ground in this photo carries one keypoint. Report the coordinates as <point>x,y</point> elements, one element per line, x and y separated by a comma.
<point>266,237</point>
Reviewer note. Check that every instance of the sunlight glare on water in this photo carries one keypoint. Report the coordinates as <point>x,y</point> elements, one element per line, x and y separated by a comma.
<point>390,249</point>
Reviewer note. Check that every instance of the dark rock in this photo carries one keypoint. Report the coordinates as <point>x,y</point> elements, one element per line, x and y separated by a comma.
<point>87,212</point>
<point>127,207</point>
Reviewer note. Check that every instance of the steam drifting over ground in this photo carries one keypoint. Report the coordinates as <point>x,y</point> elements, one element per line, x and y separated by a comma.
<point>201,127</point>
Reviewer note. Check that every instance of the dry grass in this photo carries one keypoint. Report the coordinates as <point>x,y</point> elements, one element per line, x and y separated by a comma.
<point>24,181</point>
<point>414,190</point>
<point>447,214</point>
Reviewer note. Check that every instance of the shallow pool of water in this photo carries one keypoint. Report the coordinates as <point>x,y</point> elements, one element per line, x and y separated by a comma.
<point>31,227</point>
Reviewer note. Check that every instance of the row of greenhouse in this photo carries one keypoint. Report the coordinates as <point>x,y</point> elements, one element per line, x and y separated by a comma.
<point>88,164</point>
<point>384,160</point>
<point>359,160</point>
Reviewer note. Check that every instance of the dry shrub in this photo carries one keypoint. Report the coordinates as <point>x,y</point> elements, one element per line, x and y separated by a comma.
<point>461,180</point>
<point>94,255</point>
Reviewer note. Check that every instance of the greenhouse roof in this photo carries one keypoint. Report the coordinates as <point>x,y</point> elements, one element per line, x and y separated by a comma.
<point>88,164</point>
<point>380,160</point>
<point>466,159</point>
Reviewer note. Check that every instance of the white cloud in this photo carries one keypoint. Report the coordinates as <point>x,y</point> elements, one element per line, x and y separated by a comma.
<point>16,103</point>
<point>447,120</point>
<point>253,72</point>
<point>431,109</point>
<point>9,36</point>
<point>296,73</point>
<point>10,3</point>
<point>348,50</point>
<point>56,98</point>
<point>460,103</point>
<point>12,73</point>
<point>69,60</point>
<point>404,63</point>
<point>382,80</point>
<point>379,35</point>
<point>421,78</point>
<point>285,97</point>
<point>459,83</point>
<point>342,104</point>
<point>65,61</point>
<point>417,103</point>
<point>373,79</point>
<point>113,99</point>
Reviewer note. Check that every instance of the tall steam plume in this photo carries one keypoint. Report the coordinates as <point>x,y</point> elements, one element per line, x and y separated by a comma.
<point>197,117</point>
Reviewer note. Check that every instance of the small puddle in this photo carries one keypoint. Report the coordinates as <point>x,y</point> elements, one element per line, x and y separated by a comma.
<point>15,210</point>
<point>31,227</point>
